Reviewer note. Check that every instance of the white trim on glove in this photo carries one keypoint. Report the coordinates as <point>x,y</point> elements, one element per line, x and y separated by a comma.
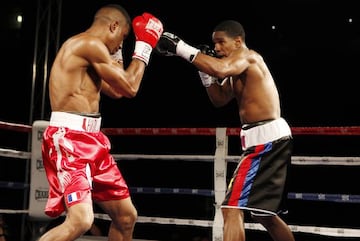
<point>142,51</point>
<point>186,51</point>
<point>118,56</point>
<point>207,79</point>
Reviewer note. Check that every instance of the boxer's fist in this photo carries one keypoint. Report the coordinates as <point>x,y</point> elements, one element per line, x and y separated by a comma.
<point>207,79</point>
<point>118,56</point>
<point>205,49</point>
<point>169,45</point>
<point>147,30</point>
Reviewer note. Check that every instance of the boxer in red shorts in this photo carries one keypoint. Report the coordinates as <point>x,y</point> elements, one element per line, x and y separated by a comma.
<point>76,154</point>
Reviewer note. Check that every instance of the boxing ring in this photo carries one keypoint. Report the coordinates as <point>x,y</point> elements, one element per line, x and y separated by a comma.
<point>219,152</point>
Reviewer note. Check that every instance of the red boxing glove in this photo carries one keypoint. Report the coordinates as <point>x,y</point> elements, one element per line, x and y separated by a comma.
<point>148,30</point>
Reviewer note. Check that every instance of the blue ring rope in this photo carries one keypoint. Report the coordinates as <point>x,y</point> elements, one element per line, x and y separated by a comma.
<point>343,198</point>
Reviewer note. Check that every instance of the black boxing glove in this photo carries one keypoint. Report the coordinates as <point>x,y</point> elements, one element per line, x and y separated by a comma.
<point>206,79</point>
<point>171,45</point>
<point>205,49</point>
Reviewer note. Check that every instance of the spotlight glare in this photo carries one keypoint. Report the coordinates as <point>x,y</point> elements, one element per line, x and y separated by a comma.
<point>19,18</point>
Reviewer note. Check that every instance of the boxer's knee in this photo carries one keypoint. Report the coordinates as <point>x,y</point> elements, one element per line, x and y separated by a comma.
<point>125,221</point>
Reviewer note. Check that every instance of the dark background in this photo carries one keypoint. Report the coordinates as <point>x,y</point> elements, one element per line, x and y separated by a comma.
<point>313,54</point>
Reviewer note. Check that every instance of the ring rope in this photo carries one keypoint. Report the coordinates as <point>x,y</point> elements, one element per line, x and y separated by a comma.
<point>296,160</point>
<point>15,127</point>
<point>332,130</point>
<point>14,185</point>
<point>15,154</point>
<point>12,211</point>
<point>326,231</point>
<point>344,198</point>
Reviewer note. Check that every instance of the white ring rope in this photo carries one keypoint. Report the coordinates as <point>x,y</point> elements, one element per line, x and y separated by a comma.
<point>295,160</point>
<point>14,153</point>
<point>327,231</point>
<point>11,211</point>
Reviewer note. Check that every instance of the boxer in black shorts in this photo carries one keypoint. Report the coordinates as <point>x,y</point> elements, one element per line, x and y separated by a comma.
<point>237,72</point>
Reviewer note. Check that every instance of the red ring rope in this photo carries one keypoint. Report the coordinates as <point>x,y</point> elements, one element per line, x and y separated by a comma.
<point>334,131</point>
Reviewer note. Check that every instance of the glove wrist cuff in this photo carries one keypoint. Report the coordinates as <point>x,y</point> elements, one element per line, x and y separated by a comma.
<point>142,51</point>
<point>118,56</point>
<point>207,80</point>
<point>186,51</point>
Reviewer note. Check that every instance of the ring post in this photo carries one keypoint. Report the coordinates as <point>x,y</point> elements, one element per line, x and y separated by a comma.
<point>39,187</point>
<point>219,181</point>
<point>38,183</point>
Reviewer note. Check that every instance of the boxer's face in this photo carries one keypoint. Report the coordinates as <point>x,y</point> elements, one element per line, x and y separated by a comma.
<point>224,45</point>
<point>118,35</point>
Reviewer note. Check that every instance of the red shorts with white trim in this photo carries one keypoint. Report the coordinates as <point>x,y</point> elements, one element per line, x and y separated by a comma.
<point>78,164</point>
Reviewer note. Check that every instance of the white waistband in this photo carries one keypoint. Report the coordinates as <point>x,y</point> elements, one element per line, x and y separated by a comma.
<point>265,133</point>
<point>75,121</point>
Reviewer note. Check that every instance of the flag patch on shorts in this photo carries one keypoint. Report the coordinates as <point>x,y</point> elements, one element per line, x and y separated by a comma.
<point>72,197</point>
